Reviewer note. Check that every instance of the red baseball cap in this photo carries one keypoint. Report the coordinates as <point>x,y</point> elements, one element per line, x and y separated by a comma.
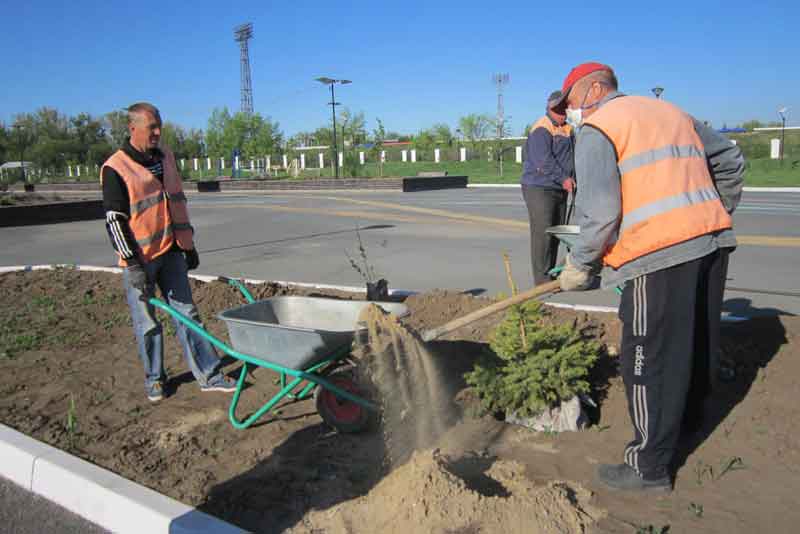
<point>574,75</point>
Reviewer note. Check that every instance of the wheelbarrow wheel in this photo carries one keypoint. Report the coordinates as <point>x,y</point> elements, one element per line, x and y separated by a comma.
<point>345,416</point>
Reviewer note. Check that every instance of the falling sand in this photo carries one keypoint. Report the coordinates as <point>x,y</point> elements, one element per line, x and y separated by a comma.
<point>416,398</point>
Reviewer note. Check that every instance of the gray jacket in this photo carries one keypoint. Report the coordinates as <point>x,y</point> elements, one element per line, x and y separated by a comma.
<point>598,204</point>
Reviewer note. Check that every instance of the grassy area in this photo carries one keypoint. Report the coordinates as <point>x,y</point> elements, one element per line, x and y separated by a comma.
<point>771,173</point>
<point>761,171</point>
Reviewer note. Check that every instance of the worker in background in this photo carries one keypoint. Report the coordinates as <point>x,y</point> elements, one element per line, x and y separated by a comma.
<point>657,192</point>
<point>148,223</point>
<point>547,178</point>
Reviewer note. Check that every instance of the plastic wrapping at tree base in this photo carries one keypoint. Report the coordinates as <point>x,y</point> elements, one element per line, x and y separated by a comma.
<point>378,290</point>
<point>568,416</point>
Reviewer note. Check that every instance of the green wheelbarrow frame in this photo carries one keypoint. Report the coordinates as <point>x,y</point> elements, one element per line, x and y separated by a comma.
<point>313,375</point>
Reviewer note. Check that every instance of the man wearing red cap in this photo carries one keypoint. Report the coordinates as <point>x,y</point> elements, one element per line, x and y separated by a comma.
<point>657,191</point>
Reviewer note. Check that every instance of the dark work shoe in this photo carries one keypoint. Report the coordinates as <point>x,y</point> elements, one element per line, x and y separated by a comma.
<point>624,477</point>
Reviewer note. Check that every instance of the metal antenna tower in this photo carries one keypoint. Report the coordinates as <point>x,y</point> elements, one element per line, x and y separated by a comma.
<point>241,34</point>
<point>500,80</point>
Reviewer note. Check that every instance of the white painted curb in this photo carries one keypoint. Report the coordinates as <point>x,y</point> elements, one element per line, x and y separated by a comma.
<point>96,494</point>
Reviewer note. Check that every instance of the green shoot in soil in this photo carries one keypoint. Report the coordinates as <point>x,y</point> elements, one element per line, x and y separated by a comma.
<point>72,421</point>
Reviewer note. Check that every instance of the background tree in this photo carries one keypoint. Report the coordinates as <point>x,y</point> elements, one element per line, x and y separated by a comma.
<point>4,142</point>
<point>116,123</point>
<point>378,138</point>
<point>442,133</point>
<point>254,135</point>
<point>474,127</point>
<point>424,142</point>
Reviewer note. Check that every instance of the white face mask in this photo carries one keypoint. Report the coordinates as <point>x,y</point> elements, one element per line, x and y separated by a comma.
<point>575,116</point>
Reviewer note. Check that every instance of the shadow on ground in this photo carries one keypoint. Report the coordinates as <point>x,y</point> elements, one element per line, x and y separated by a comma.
<point>746,347</point>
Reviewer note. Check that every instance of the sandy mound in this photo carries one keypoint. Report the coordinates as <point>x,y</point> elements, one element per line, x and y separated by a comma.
<point>434,493</point>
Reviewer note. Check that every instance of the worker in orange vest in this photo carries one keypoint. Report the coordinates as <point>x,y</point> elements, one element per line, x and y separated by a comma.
<point>547,178</point>
<point>148,224</point>
<point>654,209</point>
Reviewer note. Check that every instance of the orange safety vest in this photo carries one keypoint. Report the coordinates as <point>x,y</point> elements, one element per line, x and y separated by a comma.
<point>545,122</point>
<point>668,195</point>
<point>159,217</point>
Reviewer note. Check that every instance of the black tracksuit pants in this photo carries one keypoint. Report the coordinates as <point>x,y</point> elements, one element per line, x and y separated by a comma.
<point>670,354</point>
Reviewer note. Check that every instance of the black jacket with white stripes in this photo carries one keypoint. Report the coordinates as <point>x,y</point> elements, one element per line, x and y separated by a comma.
<point>116,200</point>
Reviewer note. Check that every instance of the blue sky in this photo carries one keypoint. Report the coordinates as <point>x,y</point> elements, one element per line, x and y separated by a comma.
<point>412,63</point>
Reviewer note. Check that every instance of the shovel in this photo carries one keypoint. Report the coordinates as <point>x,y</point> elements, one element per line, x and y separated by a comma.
<point>541,289</point>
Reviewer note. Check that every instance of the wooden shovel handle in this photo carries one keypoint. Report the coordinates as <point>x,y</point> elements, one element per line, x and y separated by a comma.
<point>548,287</point>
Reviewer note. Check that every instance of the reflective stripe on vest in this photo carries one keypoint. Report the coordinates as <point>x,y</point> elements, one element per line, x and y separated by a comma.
<point>147,202</point>
<point>668,195</point>
<point>159,217</point>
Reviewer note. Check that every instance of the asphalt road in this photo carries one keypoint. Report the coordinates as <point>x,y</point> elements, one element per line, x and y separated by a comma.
<point>418,241</point>
<point>23,512</point>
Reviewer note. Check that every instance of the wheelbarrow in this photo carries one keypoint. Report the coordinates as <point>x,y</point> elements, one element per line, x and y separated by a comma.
<point>305,338</point>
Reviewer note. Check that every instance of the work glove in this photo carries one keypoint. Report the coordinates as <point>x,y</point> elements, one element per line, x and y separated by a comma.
<point>573,278</point>
<point>137,277</point>
<point>192,259</point>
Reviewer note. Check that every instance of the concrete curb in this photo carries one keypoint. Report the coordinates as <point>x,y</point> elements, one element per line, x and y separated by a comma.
<point>96,494</point>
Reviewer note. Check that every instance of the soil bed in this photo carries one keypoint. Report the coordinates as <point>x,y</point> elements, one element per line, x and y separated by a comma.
<point>65,336</point>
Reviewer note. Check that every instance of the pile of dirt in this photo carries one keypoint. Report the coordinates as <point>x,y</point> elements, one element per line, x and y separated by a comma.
<point>435,493</point>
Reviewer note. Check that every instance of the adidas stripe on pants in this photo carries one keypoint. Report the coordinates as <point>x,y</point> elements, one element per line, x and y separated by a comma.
<point>670,344</point>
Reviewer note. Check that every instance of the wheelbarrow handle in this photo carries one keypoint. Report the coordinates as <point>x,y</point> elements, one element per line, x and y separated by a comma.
<point>238,285</point>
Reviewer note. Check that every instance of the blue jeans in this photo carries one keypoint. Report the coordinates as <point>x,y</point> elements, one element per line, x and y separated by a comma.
<point>169,272</point>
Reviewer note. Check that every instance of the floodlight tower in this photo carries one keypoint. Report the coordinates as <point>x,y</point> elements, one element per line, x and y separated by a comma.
<point>500,80</point>
<point>657,90</point>
<point>242,34</point>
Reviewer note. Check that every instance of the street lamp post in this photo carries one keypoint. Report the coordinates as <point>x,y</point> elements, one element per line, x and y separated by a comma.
<point>333,103</point>
<point>657,90</point>
<point>782,113</point>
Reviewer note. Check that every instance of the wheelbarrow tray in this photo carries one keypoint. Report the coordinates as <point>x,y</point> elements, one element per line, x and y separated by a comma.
<point>297,332</point>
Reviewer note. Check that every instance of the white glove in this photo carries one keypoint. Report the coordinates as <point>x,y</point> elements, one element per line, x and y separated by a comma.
<point>574,279</point>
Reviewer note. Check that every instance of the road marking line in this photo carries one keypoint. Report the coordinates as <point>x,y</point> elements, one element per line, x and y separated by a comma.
<point>768,241</point>
<point>748,240</point>
<point>437,213</point>
<point>336,213</point>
